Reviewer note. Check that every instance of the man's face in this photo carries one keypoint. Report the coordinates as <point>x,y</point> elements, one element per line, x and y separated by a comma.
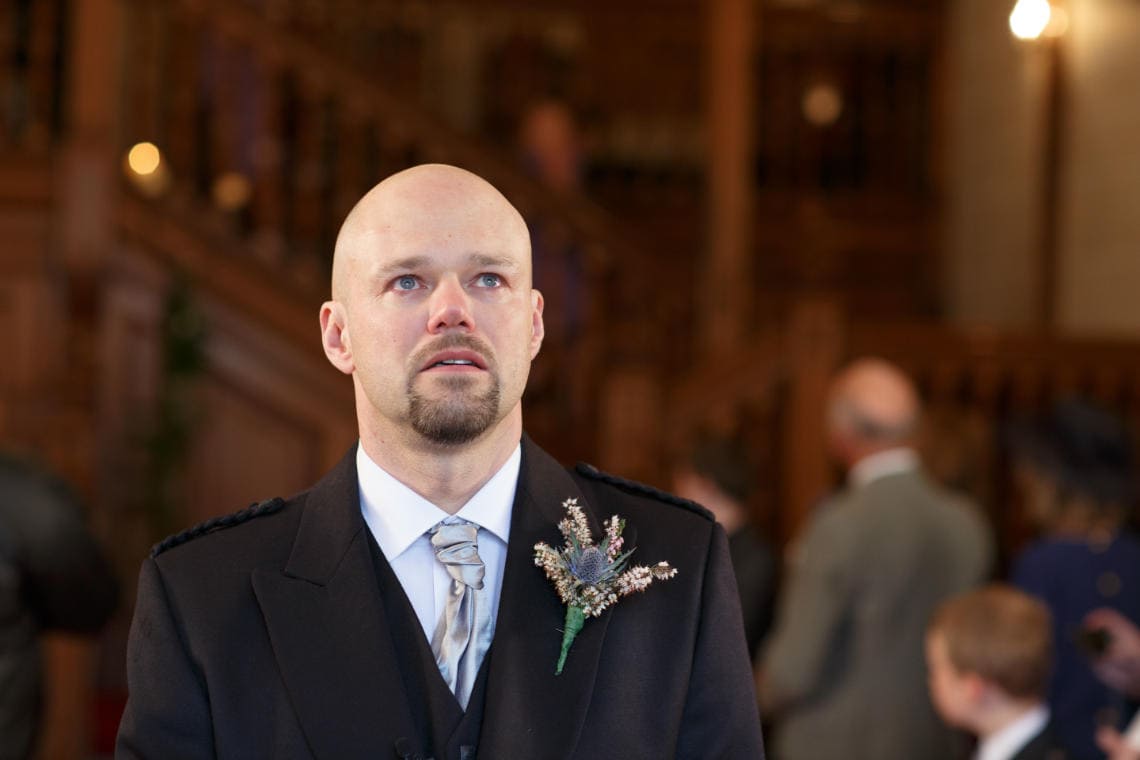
<point>441,321</point>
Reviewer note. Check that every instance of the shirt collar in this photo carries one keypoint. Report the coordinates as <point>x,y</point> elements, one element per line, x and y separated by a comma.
<point>1005,743</point>
<point>397,515</point>
<point>881,464</point>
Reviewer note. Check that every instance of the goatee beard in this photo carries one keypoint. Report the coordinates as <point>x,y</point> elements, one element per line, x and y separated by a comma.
<point>460,417</point>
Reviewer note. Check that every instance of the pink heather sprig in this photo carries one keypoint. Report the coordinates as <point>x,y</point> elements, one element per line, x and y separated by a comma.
<point>640,577</point>
<point>614,542</point>
<point>574,525</point>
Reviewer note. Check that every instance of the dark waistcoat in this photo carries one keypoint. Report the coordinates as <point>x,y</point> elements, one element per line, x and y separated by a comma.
<point>445,731</point>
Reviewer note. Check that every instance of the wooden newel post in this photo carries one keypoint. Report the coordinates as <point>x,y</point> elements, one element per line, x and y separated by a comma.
<point>87,183</point>
<point>725,295</point>
<point>814,349</point>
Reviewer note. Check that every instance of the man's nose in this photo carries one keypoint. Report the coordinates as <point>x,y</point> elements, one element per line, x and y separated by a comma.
<point>449,307</point>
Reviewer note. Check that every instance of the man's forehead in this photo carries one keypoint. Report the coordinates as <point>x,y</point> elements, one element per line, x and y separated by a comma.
<point>431,210</point>
<point>431,220</point>
<point>435,193</point>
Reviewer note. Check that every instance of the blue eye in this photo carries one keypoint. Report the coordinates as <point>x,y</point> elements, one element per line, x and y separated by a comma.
<point>407,282</point>
<point>490,280</point>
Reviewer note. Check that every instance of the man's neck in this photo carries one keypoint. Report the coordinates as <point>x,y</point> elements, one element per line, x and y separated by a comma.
<point>446,475</point>
<point>726,510</point>
<point>879,462</point>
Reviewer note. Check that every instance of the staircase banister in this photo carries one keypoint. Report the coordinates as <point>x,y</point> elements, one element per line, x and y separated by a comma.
<point>328,72</point>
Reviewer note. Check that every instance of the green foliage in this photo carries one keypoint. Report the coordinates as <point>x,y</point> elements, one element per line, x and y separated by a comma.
<point>176,414</point>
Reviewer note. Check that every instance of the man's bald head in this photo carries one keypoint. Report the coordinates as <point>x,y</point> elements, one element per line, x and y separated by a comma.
<point>431,197</point>
<point>873,404</point>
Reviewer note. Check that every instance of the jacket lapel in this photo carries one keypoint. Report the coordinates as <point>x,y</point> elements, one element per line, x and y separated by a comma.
<point>530,712</point>
<point>328,629</point>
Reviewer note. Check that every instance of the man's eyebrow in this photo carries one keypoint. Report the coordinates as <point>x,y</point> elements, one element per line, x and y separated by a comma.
<point>403,265</point>
<point>413,263</point>
<point>487,260</point>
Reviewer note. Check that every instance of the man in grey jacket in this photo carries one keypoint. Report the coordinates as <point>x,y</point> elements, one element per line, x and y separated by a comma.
<point>843,675</point>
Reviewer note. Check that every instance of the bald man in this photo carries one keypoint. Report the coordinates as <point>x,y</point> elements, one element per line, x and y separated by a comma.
<point>395,609</point>
<point>843,674</point>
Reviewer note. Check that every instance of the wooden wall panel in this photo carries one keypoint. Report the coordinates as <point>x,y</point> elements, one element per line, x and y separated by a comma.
<point>267,416</point>
<point>272,418</point>
<point>247,450</point>
<point>30,319</point>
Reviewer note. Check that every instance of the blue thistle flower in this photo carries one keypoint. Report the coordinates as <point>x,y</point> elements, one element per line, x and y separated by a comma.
<point>590,566</point>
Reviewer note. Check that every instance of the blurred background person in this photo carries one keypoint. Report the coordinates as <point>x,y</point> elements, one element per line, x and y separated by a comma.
<point>550,151</point>
<point>1074,470</point>
<point>843,674</point>
<point>53,577</point>
<point>717,474</point>
<point>1119,667</point>
<point>988,654</point>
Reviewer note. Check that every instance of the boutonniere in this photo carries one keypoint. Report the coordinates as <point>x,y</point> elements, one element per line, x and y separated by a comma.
<point>588,577</point>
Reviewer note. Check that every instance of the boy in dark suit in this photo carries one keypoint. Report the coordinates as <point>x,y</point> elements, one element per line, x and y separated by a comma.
<point>988,654</point>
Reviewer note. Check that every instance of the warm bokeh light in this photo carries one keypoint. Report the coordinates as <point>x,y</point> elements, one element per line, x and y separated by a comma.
<point>231,191</point>
<point>144,158</point>
<point>146,170</point>
<point>1029,18</point>
<point>822,104</point>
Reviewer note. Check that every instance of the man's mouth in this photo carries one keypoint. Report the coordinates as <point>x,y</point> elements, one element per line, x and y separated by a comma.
<point>455,359</point>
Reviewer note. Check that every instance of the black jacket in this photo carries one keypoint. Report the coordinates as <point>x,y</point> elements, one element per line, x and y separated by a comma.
<point>268,639</point>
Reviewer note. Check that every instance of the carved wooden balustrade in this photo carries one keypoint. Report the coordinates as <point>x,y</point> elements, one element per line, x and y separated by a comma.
<point>975,382</point>
<point>847,205</point>
<point>32,69</point>
<point>41,410</point>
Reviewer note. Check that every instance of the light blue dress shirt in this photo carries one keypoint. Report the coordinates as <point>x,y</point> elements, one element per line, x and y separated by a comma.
<point>400,518</point>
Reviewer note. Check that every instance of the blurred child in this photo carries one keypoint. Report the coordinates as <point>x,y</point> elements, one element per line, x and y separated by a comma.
<point>989,653</point>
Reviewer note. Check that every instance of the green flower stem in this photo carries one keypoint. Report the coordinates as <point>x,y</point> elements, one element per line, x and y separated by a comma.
<point>575,619</point>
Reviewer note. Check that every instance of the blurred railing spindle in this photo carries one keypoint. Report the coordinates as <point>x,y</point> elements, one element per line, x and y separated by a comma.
<point>45,47</point>
<point>268,192</point>
<point>181,92</point>
<point>309,117</point>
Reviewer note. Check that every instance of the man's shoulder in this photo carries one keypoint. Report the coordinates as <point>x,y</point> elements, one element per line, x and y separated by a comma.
<point>246,534</point>
<point>916,486</point>
<point>216,524</point>
<point>605,485</point>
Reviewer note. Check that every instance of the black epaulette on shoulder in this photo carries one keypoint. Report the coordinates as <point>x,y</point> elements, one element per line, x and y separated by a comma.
<point>267,507</point>
<point>640,489</point>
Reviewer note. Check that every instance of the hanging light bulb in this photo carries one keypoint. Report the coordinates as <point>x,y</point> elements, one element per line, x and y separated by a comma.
<point>1029,18</point>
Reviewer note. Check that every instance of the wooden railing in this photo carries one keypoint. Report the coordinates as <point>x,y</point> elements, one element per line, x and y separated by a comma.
<point>977,382</point>
<point>32,69</point>
<point>974,382</point>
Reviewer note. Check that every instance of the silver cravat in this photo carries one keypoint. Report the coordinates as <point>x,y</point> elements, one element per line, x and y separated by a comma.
<point>463,634</point>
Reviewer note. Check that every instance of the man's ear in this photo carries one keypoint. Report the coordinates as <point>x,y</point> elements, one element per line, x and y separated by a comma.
<point>335,338</point>
<point>538,329</point>
<point>976,687</point>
